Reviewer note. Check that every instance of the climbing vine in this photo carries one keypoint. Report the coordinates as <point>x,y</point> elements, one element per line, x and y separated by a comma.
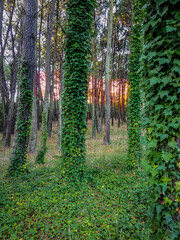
<point>162,115</point>
<point>134,103</point>
<point>23,123</point>
<point>77,56</point>
<point>43,149</point>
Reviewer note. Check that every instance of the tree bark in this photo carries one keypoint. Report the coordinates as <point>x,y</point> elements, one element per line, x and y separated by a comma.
<point>52,85</point>
<point>19,155</point>
<point>107,76</point>
<point>14,71</point>
<point>34,122</point>
<point>47,88</point>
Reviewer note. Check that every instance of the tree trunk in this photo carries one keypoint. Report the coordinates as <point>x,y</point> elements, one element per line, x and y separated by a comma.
<point>19,155</point>
<point>14,70</point>
<point>39,93</point>
<point>2,80</point>
<point>41,154</point>
<point>107,76</point>
<point>93,110</point>
<point>60,107</point>
<point>52,85</point>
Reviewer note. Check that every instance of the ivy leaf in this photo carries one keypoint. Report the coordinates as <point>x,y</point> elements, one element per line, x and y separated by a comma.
<point>159,208</point>
<point>167,157</point>
<point>158,107</point>
<point>154,22</point>
<point>164,60</point>
<point>169,202</point>
<point>161,167</point>
<point>177,187</point>
<point>174,1</point>
<point>176,69</point>
<point>151,55</point>
<point>153,81</point>
<point>177,61</point>
<point>165,180</point>
<point>170,29</point>
<point>162,11</point>
<point>173,145</point>
<point>164,93</point>
<point>159,2</point>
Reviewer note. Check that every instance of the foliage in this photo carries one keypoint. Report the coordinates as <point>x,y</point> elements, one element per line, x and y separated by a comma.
<point>41,154</point>
<point>77,54</point>
<point>23,123</point>
<point>110,205</point>
<point>162,115</point>
<point>134,103</point>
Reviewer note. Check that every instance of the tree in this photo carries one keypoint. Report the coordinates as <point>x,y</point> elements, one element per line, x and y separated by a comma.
<point>161,84</point>
<point>107,76</point>
<point>19,155</point>
<point>77,56</point>
<point>134,103</point>
<point>43,147</point>
<point>34,125</point>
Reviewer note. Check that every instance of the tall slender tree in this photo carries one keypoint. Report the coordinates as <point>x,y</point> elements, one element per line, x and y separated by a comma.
<point>43,146</point>
<point>34,121</point>
<point>19,155</point>
<point>77,56</point>
<point>107,77</point>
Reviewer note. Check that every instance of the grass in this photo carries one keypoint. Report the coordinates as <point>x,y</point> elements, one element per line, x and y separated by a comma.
<point>111,204</point>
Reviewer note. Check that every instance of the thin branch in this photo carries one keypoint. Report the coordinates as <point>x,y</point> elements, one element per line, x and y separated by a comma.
<point>42,8</point>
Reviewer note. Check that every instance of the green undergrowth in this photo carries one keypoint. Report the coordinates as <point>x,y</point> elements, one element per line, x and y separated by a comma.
<point>110,204</point>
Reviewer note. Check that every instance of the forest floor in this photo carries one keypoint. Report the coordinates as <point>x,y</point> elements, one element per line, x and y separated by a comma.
<point>111,204</point>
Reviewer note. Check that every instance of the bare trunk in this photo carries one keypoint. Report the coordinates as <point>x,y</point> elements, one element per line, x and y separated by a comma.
<point>107,76</point>
<point>52,86</point>
<point>93,110</point>
<point>14,70</point>
<point>47,69</point>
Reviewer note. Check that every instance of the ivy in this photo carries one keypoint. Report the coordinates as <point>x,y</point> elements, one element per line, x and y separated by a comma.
<point>162,115</point>
<point>23,124</point>
<point>77,58</point>
<point>134,103</point>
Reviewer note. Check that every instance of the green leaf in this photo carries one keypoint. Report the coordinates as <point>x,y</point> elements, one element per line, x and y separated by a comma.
<point>177,61</point>
<point>170,29</point>
<point>158,107</point>
<point>167,157</point>
<point>174,1</point>
<point>162,11</point>
<point>154,22</point>
<point>159,2</point>
<point>168,201</point>
<point>164,60</point>
<point>165,180</point>
<point>159,208</point>
<point>153,81</point>
<point>177,187</point>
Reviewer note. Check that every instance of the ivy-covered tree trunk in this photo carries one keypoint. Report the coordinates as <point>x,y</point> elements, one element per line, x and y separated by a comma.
<point>107,76</point>
<point>77,58</point>
<point>134,103</point>
<point>19,155</point>
<point>162,115</point>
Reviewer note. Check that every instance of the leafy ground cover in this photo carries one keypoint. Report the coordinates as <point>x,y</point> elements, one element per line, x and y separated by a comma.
<point>110,204</point>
